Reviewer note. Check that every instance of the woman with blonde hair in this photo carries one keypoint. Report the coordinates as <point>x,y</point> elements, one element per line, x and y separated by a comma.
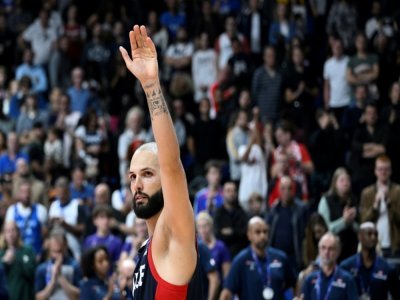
<point>19,263</point>
<point>338,207</point>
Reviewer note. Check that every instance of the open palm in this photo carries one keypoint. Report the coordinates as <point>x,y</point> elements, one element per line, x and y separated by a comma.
<point>144,55</point>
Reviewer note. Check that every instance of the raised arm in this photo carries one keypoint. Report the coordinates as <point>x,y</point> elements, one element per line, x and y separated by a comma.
<point>177,216</point>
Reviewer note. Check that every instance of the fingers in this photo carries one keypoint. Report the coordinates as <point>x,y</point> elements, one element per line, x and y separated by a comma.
<point>138,36</point>
<point>124,54</point>
<point>132,39</point>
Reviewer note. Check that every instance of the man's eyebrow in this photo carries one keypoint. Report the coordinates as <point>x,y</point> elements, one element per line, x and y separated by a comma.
<point>142,170</point>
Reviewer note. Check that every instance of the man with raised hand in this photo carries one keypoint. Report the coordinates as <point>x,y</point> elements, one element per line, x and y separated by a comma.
<point>168,267</point>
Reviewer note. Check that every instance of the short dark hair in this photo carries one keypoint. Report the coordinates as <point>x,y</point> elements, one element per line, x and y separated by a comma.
<point>102,209</point>
<point>87,261</point>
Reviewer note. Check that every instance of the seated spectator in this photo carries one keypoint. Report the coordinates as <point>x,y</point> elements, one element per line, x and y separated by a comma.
<point>316,228</point>
<point>121,199</point>
<point>8,160</point>
<point>368,264</point>
<point>257,206</point>
<point>80,188</point>
<point>220,254</point>
<point>80,96</point>
<point>58,277</point>
<point>135,241</point>
<point>380,204</point>
<point>286,235</point>
<point>230,220</point>
<point>30,218</point>
<point>282,30</point>
<point>210,198</point>
<point>67,213</point>
<point>30,114</point>
<point>126,269</point>
<point>102,215</point>
<point>19,263</point>
<point>338,207</point>
<point>96,268</point>
<point>53,153</point>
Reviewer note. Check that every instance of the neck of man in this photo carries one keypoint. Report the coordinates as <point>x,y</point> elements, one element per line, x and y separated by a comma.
<point>328,269</point>
<point>102,232</point>
<point>383,183</point>
<point>368,256</point>
<point>209,240</point>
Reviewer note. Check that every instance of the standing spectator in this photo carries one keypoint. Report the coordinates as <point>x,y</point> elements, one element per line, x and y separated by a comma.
<point>208,21</point>
<point>204,67</point>
<point>267,86</point>
<point>173,18</point>
<point>369,141</point>
<point>210,198</point>
<point>58,277</point>
<point>211,280</point>
<point>66,212</point>
<point>258,272</point>
<point>30,218</point>
<point>287,222</point>
<point>283,29</point>
<point>374,277</point>
<point>42,35</point>
<point>339,210</point>
<point>363,67</point>
<point>60,64</point>
<point>380,204</point>
<point>316,228</point>
<point>8,160</point>
<point>35,72</point>
<point>18,261</point>
<point>102,216</point>
<point>219,251</point>
<point>80,96</point>
<point>342,20</point>
<point>330,281</point>
<point>336,88</point>
<point>240,66</point>
<point>80,188</point>
<point>230,220</point>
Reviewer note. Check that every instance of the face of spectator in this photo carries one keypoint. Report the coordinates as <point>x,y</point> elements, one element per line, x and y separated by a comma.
<point>318,231</point>
<point>282,137</point>
<point>229,192</point>
<point>213,176</point>
<point>44,18</point>
<point>360,43</point>
<point>12,142</point>
<point>255,204</point>
<point>78,178</point>
<point>146,184</point>
<point>178,108</point>
<point>230,26</point>
<point>22,167</point>
<point>125,272</point>
<point>269,57</point>
<point>285,189</point>
<point>370,116</point>
<point>102,194</point>
<point>361,94</point>
<point>242,120</point>
<point>63,194</point>
<point>10,233</point>
<point>395,93</point>
<point>253,4</point>
<point>141,228</point>
<point>281,11</point>
<point>24,193</point>
<point>368,238</point>
<point>328,250</point>
<point>56,248</point>
<point>64,103</point>
<point>343,184</point>
<point>181,35</point>
<point>204,107</point>
<point>257,233</point>
<point>28,56</point>
<point>297,57</point>
<point>101,264</point>
<point>102,222</point>
<point>337,48</point>
<point>203,40</point>
<point>244,99</point>
<point>383,171</point>
<point>204,229</point>
<point>77,76</point>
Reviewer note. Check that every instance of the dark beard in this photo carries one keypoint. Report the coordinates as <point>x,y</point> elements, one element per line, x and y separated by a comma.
<point>154,205</point>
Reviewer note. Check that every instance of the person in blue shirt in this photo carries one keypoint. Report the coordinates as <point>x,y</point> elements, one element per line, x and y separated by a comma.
<point>330,281</point>
<point>211,279</point>
<point>258,272</point>
<point>374,277</point>
<point>97,284</point>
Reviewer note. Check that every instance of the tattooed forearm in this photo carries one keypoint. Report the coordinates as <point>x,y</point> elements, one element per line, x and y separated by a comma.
<point>155,100</point>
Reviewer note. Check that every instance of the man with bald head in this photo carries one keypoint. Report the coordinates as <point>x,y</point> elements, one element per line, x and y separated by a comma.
<point>330,281</point>
<point>374,277</point>
<point>258,272</point>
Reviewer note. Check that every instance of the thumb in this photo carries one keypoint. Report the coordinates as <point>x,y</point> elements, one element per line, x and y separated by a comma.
<point>124,54</point>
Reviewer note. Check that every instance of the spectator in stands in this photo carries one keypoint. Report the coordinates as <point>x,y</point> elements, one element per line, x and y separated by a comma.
<point>121,199</point>
<point>338,207</point>
<point>80,188</point>
<point>379,23</point>
<point>300,163</point>
<point>211,281</point>
<point>259,271</point>
<point>369,141</point>
<point>219,251</point>
<point>266,86</point>
<point>19,263</point>
<point>31,218</point>
<point>204,67</point>
<point>35,72</point>
<point>158,33</point>
<point>330,281</point>
<point>207,20</point>
<point>97,284</point>
<point>257,206</point>
<point>126,269</point>
<point>58,277</point>
<point>337,93</point>
<point>30,115</point>
<point>367,264</point>
<point>134,241</point>
<point>60,64</point>
<point>102,216</point>
<point>380,204</point>
<point>316,228</point>
<point>8,160</point>
<point>67,213</point>
<point>230,220</point>
<point>80,95</point>
<point>363,67</point>
<point>287,221</point>
<point>226,7</point>
<point>210,198</point>
<point>282,30</point>
<point>173,18</point>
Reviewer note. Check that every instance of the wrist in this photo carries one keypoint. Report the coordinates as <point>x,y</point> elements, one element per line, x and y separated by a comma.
<point>150,83</point>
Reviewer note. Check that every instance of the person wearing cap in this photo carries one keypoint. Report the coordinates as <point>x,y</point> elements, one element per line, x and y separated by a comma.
<point>258,272</point>
<point>374,277</point>
<point>330,281</point>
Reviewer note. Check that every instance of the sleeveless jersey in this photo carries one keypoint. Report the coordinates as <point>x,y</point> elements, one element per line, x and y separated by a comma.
<point>149,285</point>
<point>30,228</point>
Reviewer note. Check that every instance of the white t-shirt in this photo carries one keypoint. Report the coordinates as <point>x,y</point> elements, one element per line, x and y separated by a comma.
<point>335,73</point>
<point>204,71</point>
<point>254,175</point>
<point>382,225</point>
<point>26,211</point>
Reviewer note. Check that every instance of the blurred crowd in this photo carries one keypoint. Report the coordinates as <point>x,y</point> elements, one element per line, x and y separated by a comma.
<point>287,110</point>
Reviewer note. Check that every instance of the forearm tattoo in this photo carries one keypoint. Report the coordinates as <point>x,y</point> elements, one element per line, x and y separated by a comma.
<point>155,100</point>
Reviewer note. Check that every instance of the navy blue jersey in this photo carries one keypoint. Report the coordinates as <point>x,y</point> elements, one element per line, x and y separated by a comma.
<point>149,285</point>
<point>245,281</point>
<point>376,281</point>
<point>339,285</point>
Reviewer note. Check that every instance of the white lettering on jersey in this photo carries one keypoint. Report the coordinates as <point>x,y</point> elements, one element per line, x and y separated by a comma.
<point>138,279</point>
